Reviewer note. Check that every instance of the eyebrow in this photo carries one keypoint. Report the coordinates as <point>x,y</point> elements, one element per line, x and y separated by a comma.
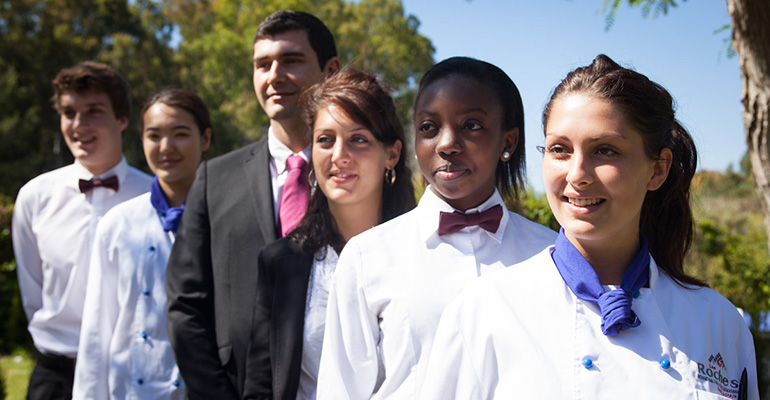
<point>463,112</point>
<point>154,128</point>
<point>282,55</point>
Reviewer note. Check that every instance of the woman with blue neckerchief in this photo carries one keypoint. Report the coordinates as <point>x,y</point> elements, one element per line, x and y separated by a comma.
<point>124,347</point>
<point>608,311</point>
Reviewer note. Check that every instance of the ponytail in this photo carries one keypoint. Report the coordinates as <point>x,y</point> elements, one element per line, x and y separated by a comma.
<point>666,218</point>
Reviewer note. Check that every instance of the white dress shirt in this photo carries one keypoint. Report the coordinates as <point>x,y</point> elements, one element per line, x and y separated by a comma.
<point>53,226</point>
<point>522,333</point>
<point>319,284</point>
<point>124,347</point>
<point>391,286</point>
<point>279,153</point>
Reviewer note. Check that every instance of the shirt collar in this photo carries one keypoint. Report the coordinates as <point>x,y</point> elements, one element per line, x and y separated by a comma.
<point>431,205</point>
<point>279,152</point>
<point>120,170</point>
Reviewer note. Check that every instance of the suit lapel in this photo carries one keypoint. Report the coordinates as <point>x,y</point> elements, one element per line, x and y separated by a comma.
<point>257,171</point>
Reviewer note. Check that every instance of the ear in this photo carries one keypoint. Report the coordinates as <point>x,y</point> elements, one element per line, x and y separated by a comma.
<point>660,169</point>
<point>206,140</point>
<point>123,121</point>
<point>510,141</point>
<point>331,67</point>
<point>393,153</point>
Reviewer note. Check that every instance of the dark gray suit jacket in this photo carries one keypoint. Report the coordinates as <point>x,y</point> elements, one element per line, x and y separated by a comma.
<point>212,270</point>
<point>275,352</point>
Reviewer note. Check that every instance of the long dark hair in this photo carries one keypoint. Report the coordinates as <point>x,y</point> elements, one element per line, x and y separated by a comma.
<point>666,218</point>
<point>510,174</point>
<point>366,102</point>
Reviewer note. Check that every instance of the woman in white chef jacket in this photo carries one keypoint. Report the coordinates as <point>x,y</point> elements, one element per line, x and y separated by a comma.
<point>607,312</point>
<point>124,348</point>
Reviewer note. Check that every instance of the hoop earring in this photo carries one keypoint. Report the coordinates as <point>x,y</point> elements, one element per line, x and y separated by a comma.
<point>390,177</point>
<point>311,180</point>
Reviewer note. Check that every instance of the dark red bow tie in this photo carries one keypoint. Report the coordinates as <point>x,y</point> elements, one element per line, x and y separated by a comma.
<point>488,220</point>
<point>87,185</point>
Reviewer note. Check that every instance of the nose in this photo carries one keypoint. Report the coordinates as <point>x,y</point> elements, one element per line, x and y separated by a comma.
<point>340,154</point>
<point>166,145</point>
<point>580,171</point>
<point>276,73</point>
<point>79,121</point>
<point>447,142</point>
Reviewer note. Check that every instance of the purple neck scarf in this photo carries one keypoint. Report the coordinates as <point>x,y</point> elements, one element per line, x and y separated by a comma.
<point>581,278</point>
<point>172,214</point>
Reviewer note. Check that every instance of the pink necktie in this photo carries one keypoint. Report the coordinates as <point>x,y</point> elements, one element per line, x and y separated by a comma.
<point>295,194</point>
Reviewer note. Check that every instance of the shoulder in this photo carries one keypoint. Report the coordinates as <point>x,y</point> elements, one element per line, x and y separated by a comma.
<point>280,248</point>
<point>132,211</point>
<point>43,183</point>
<point>534,231</point>
<point>239,156</point>
<point>698,303</point>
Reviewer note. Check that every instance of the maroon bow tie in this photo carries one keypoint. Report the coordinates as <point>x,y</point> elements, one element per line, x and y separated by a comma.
<point>87,185</point>
<point>455,221</point>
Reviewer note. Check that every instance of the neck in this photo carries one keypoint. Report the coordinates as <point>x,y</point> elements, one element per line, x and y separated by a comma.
<point>609,258</point>
<point>102,167</point>
<point>176,192</point>
<point>354,219</point>
<point>292,132</point>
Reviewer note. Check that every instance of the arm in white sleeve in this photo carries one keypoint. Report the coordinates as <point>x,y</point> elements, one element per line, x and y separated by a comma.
<point>350,365</point>
<point>100,316</point>
<point>451,373</point>
<point>29,265</point>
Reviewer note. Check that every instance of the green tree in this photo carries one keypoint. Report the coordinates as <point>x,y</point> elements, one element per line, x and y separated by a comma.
<point>39,38</point>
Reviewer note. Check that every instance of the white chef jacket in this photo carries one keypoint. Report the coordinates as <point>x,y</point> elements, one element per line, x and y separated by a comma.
<point>391,285</point>
<point>53,226</point>
<point>522,333</point>
<point>124,347</point>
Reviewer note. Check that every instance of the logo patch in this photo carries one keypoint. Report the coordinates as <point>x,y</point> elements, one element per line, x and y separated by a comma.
<point>715,372</point>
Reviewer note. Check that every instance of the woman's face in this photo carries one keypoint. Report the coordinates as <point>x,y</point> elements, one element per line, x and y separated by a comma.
<point>459,139</point>
<point>348,160</point>
<point>173,144</point>
<point>596,171</point>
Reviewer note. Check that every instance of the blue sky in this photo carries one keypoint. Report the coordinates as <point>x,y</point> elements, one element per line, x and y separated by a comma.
<point>538,42</point>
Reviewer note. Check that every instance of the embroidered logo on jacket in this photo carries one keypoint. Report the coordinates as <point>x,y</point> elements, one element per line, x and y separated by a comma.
<point>715,372</point>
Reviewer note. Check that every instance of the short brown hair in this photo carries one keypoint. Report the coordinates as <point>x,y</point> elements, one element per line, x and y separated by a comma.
<point>94,76</point>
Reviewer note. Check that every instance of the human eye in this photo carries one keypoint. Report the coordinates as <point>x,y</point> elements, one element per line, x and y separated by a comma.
<point>69,114</point>
<point>427,128</point>
<point>324,140</point>
<point>359,139</point>
<point>557,151</point>
<point>95,111</point>
<point>151,135</point>
<point>473,125</point>
<point>606,151</point>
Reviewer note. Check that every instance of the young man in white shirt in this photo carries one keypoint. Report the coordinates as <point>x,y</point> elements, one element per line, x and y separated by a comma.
<point>56,213</point>
<point>234,209</point>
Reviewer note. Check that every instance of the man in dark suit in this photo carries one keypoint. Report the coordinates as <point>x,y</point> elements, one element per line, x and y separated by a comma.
<point>233,209</point>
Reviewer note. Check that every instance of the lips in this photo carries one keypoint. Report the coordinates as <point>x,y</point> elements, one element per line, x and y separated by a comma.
<point>450,171</point>
<point>583,202</point>
<point>342,176</point>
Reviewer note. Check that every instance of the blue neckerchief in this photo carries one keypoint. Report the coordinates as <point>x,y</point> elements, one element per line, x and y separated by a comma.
<point>172,215</point>
<point>581,278</point>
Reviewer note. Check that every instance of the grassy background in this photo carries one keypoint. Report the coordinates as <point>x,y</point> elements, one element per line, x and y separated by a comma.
<point>16,370</point>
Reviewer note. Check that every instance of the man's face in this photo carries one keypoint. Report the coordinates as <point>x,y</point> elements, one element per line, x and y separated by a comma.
<point>284,66</point>
<point>91,130</point>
